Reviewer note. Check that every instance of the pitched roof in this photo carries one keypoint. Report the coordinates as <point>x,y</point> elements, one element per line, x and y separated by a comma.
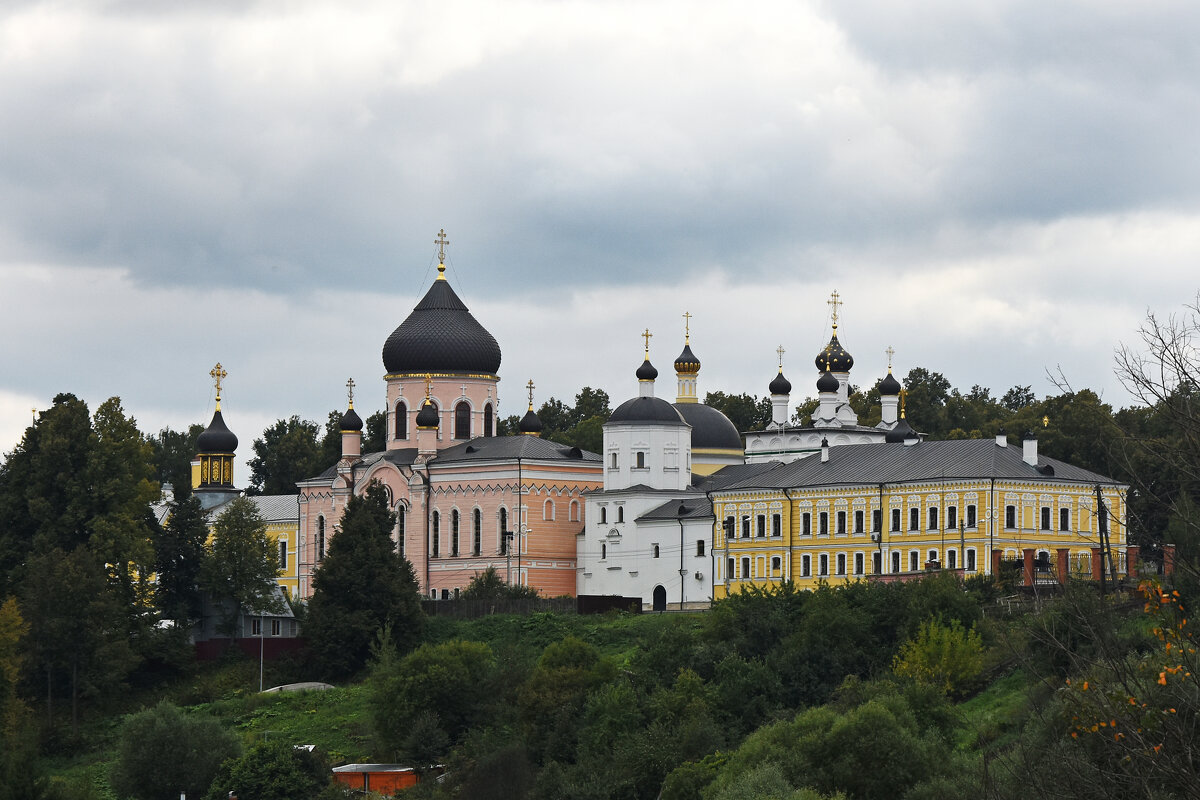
<point>926,461</point>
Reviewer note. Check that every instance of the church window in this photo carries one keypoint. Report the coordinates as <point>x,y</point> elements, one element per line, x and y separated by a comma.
<point>933,519</point>
<point>841,563</point>
<point>401,521</point>
<point>824,562</point>
<point>895,519</point>
<point>824,527</point>
<point>877,520</point>
<point>895,561</point>
<point>951,559</point>
<point>971,515</point>
<point>488,420</point>
<point>320,538</point>
<point>454,532</point>
<point>640,460</point>
<point>401,421</point>
<point>805,566</point>
<point>603,514</point>
<point>1010,516</point>
<point>612,460</point>
<point>952,517</point>
<point>806,524</point>
<point>971,560</point>
<point>548,510</point>
<point>1045,518</point>
<point>435,549</point>
<point>760,526</point>
<point>841,523</point>
<point>914,519</point>
<point>699,547</point>
<point>462,420</point>
<point>776,525</point>
<point>603,551</point>
<point>859,517</point>
<point>1064,519</point>
<point>745,569</point>
<point>504,529</point>
<point>859,564</point>
<point>745,526</point>
<point>476,532</point>
<point>914,559</point>
<point>573,513</point>
<point>655,555</point>
<point>283,553</point>
<point>620,513</point>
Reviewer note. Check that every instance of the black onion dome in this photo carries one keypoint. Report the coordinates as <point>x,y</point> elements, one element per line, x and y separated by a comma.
<point>427,417</point>
<point>889,385</point>
<point>647,411</point>
<point>351,421</point>
<point>217,438</point>
<point>827,383</point>
<point>711,430</point>
<point>780,385</point>
<point>899,433</point>
<point>440,335</point>
<point>835,355</point>
<point>530,423</point>
<point>687,363</point>
<point>646,372</point>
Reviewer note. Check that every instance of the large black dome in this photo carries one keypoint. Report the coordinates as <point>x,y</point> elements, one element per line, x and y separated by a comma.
<point>217,438</point>
<point>440,335</point>
<point>647,411</point>
<point>834,357</point>
<point>711,430</point>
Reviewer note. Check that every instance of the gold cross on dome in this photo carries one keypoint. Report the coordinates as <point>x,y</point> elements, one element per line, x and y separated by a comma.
<point>428,385</point>
<point>780,351</point>
<point>890,352</point>
<point>834,301</point>
<point>218,374</point>
<point>441,241</point>
<point>350,391</point>
<point>647,335</point>
<point>687,327</point>
<point>530,387</point>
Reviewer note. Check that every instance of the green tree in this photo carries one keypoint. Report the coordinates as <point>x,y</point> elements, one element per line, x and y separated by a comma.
<point>745,411</point>
<point>162,752</point>
<point>362,585</point>
<point>945,656</point>
<point>173,454</point>
<point>375,433</point>
<point>179,554</point>
<point>591,403</point>
<point>272,770</point>
<point>13,630</point>
<point>287,452</point>
<point>926,393</point>
<point>489,585</point>
<point>1018,397</point>
<point>240,563</point>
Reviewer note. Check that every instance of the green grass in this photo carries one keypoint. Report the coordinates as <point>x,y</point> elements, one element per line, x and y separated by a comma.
<point>996,714</point>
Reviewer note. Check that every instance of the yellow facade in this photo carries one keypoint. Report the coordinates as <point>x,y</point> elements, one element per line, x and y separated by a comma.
<point>829,533</point>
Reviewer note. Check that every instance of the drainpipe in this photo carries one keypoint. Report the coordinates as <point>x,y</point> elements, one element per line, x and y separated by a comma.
<point>879,533</point>
<point>991,526</point>
<point>712,554</point>
<point>790,543</point>
<point>682,571</point>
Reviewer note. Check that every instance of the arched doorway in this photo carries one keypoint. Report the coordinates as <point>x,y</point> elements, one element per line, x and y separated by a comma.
<point>660,598</point>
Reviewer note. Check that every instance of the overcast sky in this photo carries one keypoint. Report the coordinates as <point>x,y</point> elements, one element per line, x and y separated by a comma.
<point>995,189</point>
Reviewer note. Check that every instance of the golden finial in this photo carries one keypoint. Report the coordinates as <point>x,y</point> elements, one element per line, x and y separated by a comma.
<point>34,410</point>
<point>780,351</point>
<point>834,301</point>
<point>350,391</point>
<point>530,387</point>
<point>890,352</point>
<point>903,398</point>
<point>647,335</point>
<point>441,241</point>
<point>428,386</point>
<point>687,327</point>
<point>1045,422</point>
<point>218,374</point>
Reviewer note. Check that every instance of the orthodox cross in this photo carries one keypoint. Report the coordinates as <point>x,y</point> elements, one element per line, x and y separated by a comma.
<point>530,387</point>
<point>647,335</point>
<point>218,374</point>
<point>464,390</point>
<point>687,327</point>
<point>428,385</point>
<point>780,351</point>
<point>441,242</point>
<point>350,391</point>
<point>890,352</point>
<point>834,301</point>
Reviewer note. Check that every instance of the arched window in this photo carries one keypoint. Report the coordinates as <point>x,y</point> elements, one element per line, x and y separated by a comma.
<point>503,529</point>
<point>454,532</point>
<point>477,532</point>
<point>487,420</point>
<point>401,429</point>
<point>548,510</point>
<point>603,514</point>
<point>655,551</point>
<point>895,561</point>
<point>603,551</point>
<point>435,545</point>
<point>320,538</point>
<point>401,520</point>
<point>620,513</point>
<point>462,420</point>
<point>573,512</point>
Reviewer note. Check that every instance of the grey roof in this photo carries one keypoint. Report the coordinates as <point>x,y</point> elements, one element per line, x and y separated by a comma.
<point>645,410</point>
<point>734,473</point>
<point>682,508</point>
<point>927,461</point>
<point>710,428</point>
<point>271,507</point>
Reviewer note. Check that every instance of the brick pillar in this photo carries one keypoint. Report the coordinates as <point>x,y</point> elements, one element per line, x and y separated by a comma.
<point>1064,564</point>
<point>1131,561</point>
<point>1028,554</point>
<point>995,562</point>
<point>1168,560</point>
<point>1097,564</point>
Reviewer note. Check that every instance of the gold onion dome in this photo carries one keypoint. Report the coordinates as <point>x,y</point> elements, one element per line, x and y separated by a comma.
<point>687,363</point>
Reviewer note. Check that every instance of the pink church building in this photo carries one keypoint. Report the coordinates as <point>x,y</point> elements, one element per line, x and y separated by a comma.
<point>465,499</point>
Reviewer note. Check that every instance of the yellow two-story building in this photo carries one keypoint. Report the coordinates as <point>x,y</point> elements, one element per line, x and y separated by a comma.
<point>890,511</point>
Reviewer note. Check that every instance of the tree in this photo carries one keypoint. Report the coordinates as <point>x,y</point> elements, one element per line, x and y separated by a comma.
<point>179,554</point>
<point>287,452</point>
<point>271,770</point>
<point>745,411</point>
<point>947,657</point>
<point>1018,397</point>
<point>173,454</point>
<point>13,629</point>
<point>591,403</point>
<point>362,585</point>
<point>926,394</point>
<point>375,436</point>
<point>241,563</point>
<point>162,752</point>
<point>488,585</point>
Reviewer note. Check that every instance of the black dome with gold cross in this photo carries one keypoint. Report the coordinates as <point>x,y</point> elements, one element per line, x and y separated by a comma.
<point>834,357</point>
